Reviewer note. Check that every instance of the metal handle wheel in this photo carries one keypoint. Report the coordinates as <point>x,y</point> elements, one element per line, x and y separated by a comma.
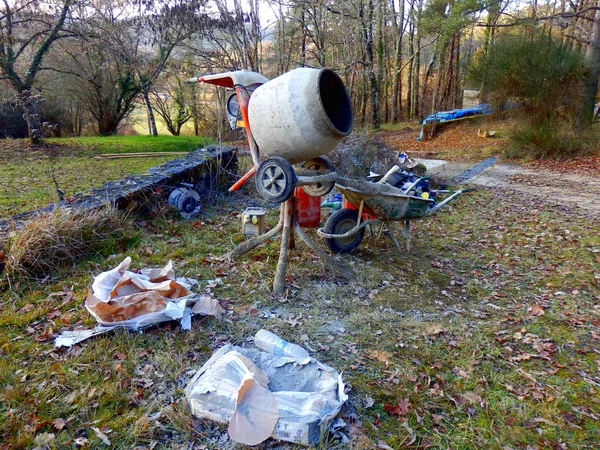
<point>323,166</point>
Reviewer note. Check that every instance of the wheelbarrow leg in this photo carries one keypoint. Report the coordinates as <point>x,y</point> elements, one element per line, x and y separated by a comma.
<point>379,231</point>
<point>393,238</point>
<point>407,235</point>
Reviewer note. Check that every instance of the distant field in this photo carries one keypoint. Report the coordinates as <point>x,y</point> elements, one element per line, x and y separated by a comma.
<point>140,125</point>
<point>127,144</point>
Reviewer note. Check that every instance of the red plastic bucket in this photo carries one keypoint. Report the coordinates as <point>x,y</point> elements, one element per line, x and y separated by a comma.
<point>309,209</point>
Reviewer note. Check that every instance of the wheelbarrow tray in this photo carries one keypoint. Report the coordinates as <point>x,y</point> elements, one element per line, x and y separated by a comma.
<point>376,204</point>
<point>383,201</point>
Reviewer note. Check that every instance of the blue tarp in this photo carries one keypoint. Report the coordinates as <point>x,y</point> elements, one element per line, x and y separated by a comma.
<point>445,116</point>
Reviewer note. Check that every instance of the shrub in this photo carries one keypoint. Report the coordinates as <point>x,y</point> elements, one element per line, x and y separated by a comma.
<point>537,142</point>
<point>545,78</point>
<point>12,124</point>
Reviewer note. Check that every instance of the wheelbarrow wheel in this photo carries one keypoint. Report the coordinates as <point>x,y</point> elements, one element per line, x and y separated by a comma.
<point>320,164</point>
<point>275,179</point>
<point>341,222</point>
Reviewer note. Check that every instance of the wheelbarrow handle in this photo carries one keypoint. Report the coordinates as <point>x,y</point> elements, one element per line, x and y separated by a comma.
<point>447,200</point>
<point>450,191</point>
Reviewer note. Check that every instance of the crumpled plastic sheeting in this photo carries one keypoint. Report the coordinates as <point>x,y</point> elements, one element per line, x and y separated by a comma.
<point>119,298</point>
<point>261,395</point>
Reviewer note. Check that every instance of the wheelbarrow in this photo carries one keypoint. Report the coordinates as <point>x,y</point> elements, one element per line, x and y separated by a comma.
<point>369,204</point>
<point>293,119</point>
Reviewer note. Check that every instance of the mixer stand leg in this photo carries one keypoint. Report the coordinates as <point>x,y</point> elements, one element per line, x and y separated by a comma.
<point>288,224</point>
<point>341,268</point>
<point>287,211</point>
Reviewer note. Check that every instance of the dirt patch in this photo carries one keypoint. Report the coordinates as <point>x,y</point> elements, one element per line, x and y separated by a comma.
<point>453,141</point>
<point>575,194</point>
<point>581,165</point>
<point>20,148</point>
<point>573,185</point>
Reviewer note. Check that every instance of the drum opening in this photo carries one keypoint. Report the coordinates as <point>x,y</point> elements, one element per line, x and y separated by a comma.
<point>336,102</point>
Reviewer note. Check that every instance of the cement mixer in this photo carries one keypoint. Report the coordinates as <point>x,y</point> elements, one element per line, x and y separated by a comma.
<point>295,118</point>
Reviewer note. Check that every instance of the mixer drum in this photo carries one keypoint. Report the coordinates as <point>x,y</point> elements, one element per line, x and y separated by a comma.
<point>301,114</point>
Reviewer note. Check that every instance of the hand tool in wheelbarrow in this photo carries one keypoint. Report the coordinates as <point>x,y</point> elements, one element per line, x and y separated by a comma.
<point>293,119</point>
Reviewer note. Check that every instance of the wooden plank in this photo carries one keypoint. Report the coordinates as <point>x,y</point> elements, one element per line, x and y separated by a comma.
<point>138,155</point>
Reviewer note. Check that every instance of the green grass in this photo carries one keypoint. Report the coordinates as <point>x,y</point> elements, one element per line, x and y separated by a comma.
<point>487,333</point>
<point>25,175</point>
<point>133,144</point>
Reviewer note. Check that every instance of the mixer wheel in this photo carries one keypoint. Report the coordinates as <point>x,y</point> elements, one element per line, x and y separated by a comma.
<point>275,179</point>
<point>320,164</point>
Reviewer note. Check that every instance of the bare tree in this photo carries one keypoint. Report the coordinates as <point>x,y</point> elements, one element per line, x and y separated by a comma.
<point>171,102</point>
<point>28,29</point>
<point>148,39</point>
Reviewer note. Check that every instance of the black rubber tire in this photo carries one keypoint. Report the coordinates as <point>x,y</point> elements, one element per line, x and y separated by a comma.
<point>319,189</point>
<point>275,179</point>
<point>339,223</point>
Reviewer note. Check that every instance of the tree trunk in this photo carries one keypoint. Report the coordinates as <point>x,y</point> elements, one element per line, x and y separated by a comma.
<point>426,77</point>
<point>32,117</point>
<point>532,16</point>
<point>381,57</point>
<point>411,64</point>
<point>303,44</point>
<point>488,41</point>
<point>281,41</point>
<point>417,100</point>
<point>416,104</point>
<point>448,83</point>
<point>256,38</point>
<point>363,97</point>
<point>373,87</point>
<point>590,88</point>
<point>397,86</point>
<point>150,112</point>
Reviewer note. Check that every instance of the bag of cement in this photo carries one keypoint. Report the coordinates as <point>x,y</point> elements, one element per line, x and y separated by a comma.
<point>261,395</point>
<point>119,298</point>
